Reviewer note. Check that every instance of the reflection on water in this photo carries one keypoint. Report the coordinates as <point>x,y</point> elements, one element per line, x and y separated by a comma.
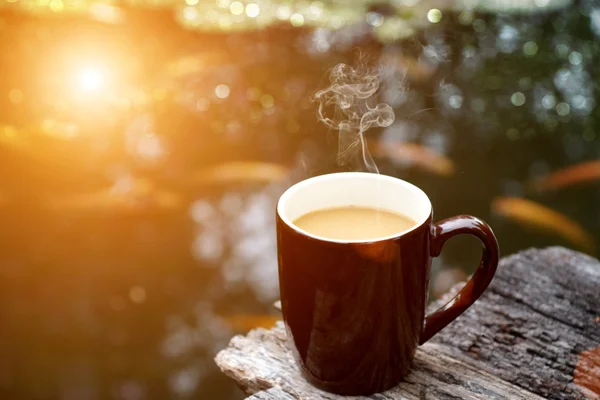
<point>236,234</point>
<point>143,155</point>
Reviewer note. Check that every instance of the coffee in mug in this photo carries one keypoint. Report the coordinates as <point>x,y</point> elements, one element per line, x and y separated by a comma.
<point>353,294</point>
<point>353,223</point>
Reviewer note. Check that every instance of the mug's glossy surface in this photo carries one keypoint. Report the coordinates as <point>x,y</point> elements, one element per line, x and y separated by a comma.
<point>355,311</point>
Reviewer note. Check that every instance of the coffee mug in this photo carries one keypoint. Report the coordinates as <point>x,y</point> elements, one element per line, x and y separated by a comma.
<point>354,311</point>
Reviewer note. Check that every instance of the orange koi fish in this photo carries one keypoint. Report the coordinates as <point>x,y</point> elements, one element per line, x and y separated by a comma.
<point>530,214</point>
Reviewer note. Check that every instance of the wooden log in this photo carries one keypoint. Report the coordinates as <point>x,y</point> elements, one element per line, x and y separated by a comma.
<point>531,325</point>
<point>261,360</point>
<point>535,333</point>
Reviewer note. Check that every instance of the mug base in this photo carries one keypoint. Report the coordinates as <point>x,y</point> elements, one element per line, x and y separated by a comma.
<point>352,388</point>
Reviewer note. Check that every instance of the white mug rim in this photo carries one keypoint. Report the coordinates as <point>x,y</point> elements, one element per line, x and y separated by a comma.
<point>347,175</point>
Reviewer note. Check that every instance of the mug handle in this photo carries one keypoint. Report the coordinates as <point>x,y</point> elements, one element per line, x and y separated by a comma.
<point>443,231</point>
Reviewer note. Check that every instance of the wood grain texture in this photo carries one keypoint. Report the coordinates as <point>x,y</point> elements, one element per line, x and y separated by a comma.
<point>261,360</point>
<point>522,340</point>
<point>533,322</point>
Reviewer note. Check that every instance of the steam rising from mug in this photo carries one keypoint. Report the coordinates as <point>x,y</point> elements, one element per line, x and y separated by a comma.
<point>351,95</point>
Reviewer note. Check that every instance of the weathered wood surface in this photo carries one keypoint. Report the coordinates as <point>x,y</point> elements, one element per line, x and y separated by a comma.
<point>533,323</point>
<point>535,333</point>
<point>275,393</point>
<point>261,360</point>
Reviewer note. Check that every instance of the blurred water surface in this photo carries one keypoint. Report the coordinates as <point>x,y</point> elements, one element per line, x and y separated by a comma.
<point>143,151</point>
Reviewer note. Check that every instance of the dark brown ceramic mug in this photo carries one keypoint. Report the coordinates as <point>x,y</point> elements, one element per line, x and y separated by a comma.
<point>355,311</point>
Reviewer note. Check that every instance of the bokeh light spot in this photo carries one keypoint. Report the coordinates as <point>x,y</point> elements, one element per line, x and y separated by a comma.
<point>518,99</point>
<point>549,101</point>
<point>222,91</point>
<point>190,13</point>
<point>149,146</point>
<point>563,109</point>
<point>562,50</point>
<point>575,58</point>
<point>434,15</point>
<point>455,101</point>
<point>283,13</point>
<point>323,46</point>
<point>267,101</point>
<point>137,294</point>
<point>374,19</point>
<point>297,19</point>
<point>236,8</point>
<point>465,18</point>
<point>579,101</point>
<point>316,8</point>
<point>530,48</point>
<point>252,10</point>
